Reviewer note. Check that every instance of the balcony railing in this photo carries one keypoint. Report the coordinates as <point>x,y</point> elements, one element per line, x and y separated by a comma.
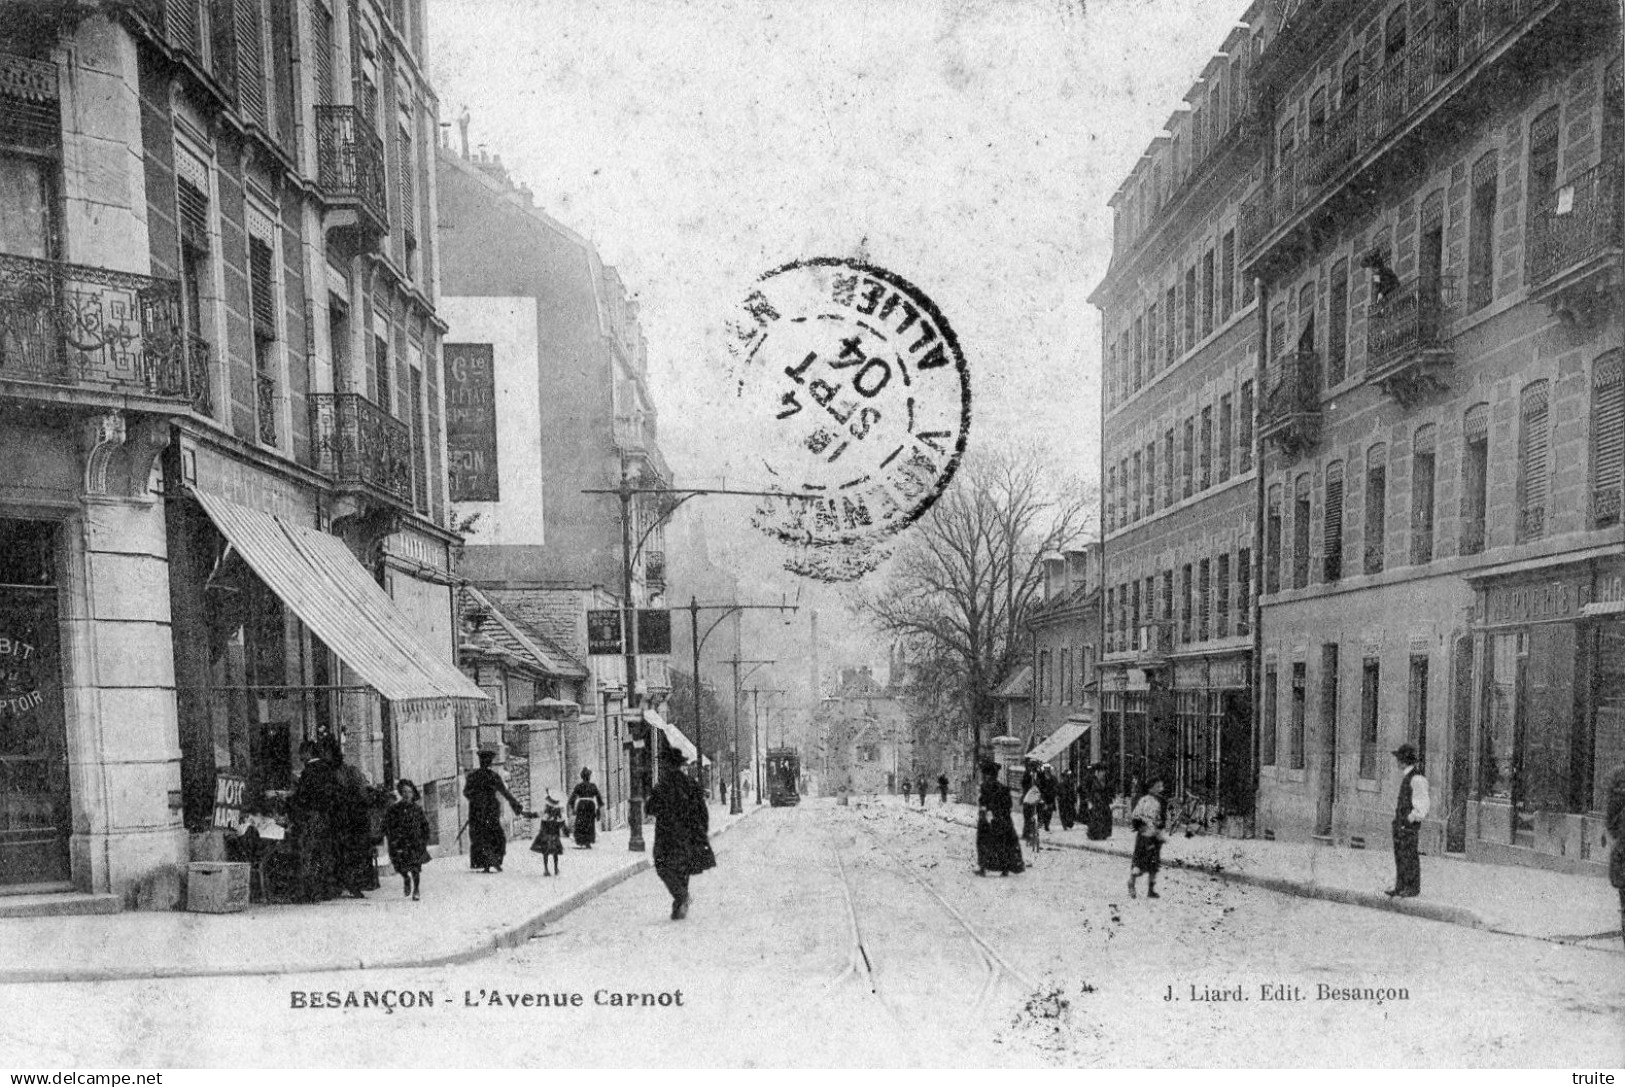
<point>1408,334</point>
<point>1155,642</point>
<point>1438,50</point>
<point>1575,224</point>
<point>79,327</point>
<point>1289,413</point>
<point>358,443</point>
<point>350,161</point>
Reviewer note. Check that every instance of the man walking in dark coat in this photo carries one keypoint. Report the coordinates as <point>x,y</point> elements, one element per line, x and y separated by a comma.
<point>942,788</point>
<point>1410,808</point>
<point>682,830</point>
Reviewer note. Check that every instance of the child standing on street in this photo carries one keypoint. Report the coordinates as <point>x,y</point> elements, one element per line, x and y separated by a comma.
<point>407,829</point>
<point>1150,821</point>
<point>550,838</point>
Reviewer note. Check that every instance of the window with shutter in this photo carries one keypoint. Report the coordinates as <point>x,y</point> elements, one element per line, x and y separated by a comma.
<point>1423,466</point>
<point>1266,734</point>
<point>1151,479</point>
<point>404,167</point>
<point>1272,541</point>
<point>1209,291</point>
<point>1221,625</point>
<point>1138,487</point>
<point>1189,465</point>
<point>1607,438</point>
<point>1190,307</point>
<point>1300,532</point>
<point>420,471</point>
<point>1169,496</point>
<point>322,29</point>
<point>1226,435</point>
<point>192,207</point>
<point>1481,234</point>
<point>1376,508</point>
<point>183,26</point>
<point>1227,283</point>
<point>1244,443</point>
<point>1244,591</point>
<point>1533,438</point>
<point>1204,596</point>
<point>1170,317</point>
<point>1207,448</point>
<point>1185,588</point>
<point>1332,528</point>
<point>1475,474</point>
<point>1337,325</point>
<point>261,291</point>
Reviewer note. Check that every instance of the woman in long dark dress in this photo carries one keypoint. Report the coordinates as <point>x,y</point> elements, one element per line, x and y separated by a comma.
<point>487,841</point>
<point>1067,799</point>
<point>407,829</point>
<point>310,812</point>
<point>1098,798</point>
<point>997,846</point>
<point>585,800</point>
<point>354,857</point>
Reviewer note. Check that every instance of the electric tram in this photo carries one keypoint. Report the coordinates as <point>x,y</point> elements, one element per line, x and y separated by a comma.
<point>783,776</point>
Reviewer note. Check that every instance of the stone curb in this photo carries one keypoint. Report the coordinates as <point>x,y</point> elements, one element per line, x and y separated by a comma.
<point>1431,911</point>
<point>508,937</point>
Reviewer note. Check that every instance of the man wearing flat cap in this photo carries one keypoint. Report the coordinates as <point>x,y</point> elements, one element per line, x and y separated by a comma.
<point>1410,809</point>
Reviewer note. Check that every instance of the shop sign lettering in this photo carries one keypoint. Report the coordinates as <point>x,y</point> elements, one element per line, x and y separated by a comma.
<point>471,422</point>
<point>229,790</point>
<point>1532,603</point>
<point>18,694</point>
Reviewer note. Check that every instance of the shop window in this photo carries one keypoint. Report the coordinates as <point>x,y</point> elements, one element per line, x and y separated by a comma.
<point>1227,435</point>
<point>1272,541</point>
<point>1533,438</point>
<point>1331,563</point>
<point>1607,438</point>
<point>1370,723</point>
<point>1300,533</point>
<point>1266,732</point>
<point>1503,710</point>
<point>1481,234</point>
<point>1295,732</point>
<point>1244,443</point>
<point>1475,477</point>
<point>1376,507</point>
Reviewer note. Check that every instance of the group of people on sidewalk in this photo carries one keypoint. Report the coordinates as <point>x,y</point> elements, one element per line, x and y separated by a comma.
<point>942,789</point>
<point>1043,793</point>
<point>333,816</point>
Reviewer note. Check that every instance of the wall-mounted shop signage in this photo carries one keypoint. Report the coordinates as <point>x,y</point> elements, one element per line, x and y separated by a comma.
<point>1533,603</point>
<point>229,791</point>
<point>471,422</point>
<point>604,633</point>
<point>19,690</point>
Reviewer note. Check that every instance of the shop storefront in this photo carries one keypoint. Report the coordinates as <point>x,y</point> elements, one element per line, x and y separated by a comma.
<point>1213,715</point>
<point>1548,711</point>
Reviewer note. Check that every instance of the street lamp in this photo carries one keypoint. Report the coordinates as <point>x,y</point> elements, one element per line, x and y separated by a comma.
<point>694,609</point>
<point>734,806</point>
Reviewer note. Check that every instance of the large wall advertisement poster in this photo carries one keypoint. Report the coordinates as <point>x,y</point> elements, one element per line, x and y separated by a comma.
<point>471,422</point>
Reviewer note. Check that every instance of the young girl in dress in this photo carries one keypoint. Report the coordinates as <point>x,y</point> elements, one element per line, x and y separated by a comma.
<point>549,839</point>
<point>407,829</point>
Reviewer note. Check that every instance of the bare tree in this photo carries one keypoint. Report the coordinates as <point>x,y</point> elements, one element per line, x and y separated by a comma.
<point>967,573</point>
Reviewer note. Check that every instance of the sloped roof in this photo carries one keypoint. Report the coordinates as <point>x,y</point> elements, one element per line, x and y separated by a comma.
<point>1017,686</point>
<point>524,641</point>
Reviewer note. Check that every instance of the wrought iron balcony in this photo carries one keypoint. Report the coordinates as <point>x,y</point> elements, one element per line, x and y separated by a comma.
<point>76,327</point>
<point>1575,239</point>
<point>350,167</point>
<point>1289,413</point>
<point>356,443</point>
<point>1408,337</point>
<point>1442,57</point>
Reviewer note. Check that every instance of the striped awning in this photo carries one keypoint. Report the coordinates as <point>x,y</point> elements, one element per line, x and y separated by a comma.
<point>321,582</point>
<point>1059,740</point>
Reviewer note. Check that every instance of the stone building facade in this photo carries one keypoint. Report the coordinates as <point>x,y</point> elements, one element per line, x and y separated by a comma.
<point>1437,242</point>
<point>221,394</point>
<point>1065,632</point>
<point>1178,468</point>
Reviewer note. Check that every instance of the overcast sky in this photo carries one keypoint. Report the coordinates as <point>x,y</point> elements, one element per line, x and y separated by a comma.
<point>968,146</point>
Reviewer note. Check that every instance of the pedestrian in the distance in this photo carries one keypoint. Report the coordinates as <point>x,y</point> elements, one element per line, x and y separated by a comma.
<point>682,831</point>
<point>1410,808</point>
<point>942,789</point>
<point>407,830</point>
<point>1150,822</point>
<point>585,800</point>
<point>550,835</point>
<point>487,839</point>
<point>1066,799</point>
<point>1616,832</point>
<point>1030,800</point>
<point>1098,798</point>
<point>722,790</point>
<point>1047,785</point>
<point>996,844</point>
<point>906,787</point>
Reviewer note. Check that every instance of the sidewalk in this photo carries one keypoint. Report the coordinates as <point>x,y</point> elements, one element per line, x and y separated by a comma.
<point>1529,902</point>
<point>463,915</point>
